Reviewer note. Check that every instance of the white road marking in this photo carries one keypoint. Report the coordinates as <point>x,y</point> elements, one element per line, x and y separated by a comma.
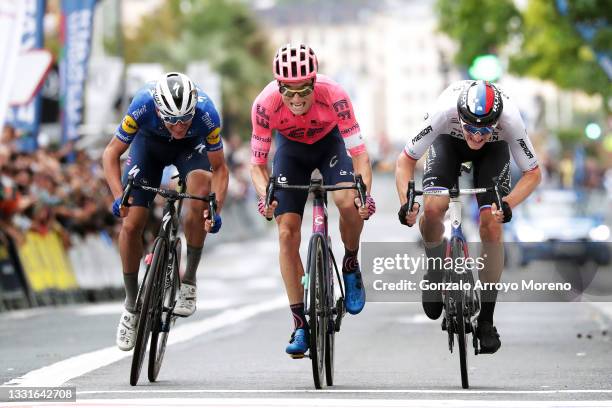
<point>345,391</point>
<point>314,402</point>
<point>58,373</point>
<point>117,307</point>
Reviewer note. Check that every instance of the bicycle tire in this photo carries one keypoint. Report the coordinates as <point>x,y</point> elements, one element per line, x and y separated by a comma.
<point>167,300</point>
<point>462,340</point>
<point>316,313</point>
<point>331,326</point>
<point>147,309</point>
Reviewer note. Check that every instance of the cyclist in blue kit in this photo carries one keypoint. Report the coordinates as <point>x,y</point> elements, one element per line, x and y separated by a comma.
<point>169,122</point>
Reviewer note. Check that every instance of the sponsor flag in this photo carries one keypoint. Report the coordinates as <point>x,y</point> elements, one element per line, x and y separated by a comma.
<point>27,117</point>
<point>76,29</point>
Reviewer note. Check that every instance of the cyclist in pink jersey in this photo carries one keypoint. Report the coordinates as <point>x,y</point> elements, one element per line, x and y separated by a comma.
<point>315,127</point>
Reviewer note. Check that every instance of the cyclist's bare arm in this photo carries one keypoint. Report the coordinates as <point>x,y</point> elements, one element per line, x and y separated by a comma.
<point>111,162</point>
<point>260,177</point>
<point>524,187</point>
<point>220,176</point>
<point>362,165</point>
<point>404,172</point>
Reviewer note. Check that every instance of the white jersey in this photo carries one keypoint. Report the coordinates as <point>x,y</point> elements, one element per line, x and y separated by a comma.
<point>444,120</point>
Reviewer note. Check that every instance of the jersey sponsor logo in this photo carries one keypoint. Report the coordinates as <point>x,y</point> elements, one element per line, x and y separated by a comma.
<point>352,129</point>
<point>526,150</point>
<point>281,179</point>
<point>129,125</point>
<point>139,112</point>
<point>261,111</point>
<point>296,133</point>
<point>342,109</point>
<point>208,120</point>
<point>333,161</point>
<point>345,115</point>
<point>214,137</point>
<point>312,132</point>
<point>124,139</point>
<point>134,171</point>
<point>200,148</point>
<point>262,139</point>
<point>426,116</point>
<point>261,117</point>
<point>423,132</point>
<point>340,105</point>
<point>259,155</point>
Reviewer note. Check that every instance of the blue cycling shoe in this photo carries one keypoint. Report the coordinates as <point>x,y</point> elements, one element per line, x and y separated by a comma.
<point>355,292</point>
<point>298,344</point>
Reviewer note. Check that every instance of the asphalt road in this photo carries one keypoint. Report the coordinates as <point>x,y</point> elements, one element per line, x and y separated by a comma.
<point>231,352</point>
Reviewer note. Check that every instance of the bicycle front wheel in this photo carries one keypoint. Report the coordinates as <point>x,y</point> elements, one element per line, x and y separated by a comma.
<point>167,299</point>
<point>149,306</point>
<point>460,305</point>
<point>317,305</point>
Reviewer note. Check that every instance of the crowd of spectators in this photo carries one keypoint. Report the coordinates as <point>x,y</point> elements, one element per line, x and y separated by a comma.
<point>51,189</point>
<point>64,190</point>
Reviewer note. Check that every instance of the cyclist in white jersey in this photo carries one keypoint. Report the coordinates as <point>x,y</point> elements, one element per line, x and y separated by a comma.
<point>471,121</point>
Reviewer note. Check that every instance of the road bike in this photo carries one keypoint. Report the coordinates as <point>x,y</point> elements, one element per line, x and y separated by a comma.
<point>323,308</point>
<point>158,291</point>
<point>462,305</point>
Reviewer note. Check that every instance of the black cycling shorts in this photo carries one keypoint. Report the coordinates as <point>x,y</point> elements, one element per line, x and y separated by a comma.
<point>149,155</point>
<point>446,154</point>
<point>294,163</point>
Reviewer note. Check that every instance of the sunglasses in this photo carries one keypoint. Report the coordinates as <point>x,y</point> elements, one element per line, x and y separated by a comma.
<point>290,93</point>
<point>173,120</point>
<point>483,131</point>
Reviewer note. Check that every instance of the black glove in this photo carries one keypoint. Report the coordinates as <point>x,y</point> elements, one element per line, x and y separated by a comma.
<point>403,211</point>
<point>507,211</point>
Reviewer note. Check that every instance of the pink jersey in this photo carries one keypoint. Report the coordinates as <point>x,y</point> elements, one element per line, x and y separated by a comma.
<point>331,107</point>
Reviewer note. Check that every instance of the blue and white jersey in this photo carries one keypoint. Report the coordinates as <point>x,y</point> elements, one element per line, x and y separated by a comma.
<point>141,118</point>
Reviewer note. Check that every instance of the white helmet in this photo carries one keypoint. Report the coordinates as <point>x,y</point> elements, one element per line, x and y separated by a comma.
<point>175,97</point>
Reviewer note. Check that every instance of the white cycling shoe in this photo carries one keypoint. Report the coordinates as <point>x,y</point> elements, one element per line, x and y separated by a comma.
<point>186,304</point>
<point>126,331</point>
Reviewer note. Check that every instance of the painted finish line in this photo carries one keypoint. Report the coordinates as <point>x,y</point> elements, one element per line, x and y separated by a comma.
<point>320,402</point>
<point>343,391</point>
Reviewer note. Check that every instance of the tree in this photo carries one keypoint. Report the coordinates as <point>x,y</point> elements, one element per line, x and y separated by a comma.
<point>541,42</point>
<point>479,26</point>
<point>222,32</point>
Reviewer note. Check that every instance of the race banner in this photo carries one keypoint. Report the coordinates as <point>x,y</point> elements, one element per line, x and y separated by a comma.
<point>76,30</point>
<point>26,117</point>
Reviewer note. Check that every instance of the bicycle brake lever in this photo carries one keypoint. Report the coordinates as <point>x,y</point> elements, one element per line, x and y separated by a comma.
<point>410,195</point>
<point>269,194</point>
<point>126,193</point>
<point>361,189</point>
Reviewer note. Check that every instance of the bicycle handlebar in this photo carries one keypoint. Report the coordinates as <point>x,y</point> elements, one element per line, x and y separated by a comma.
<point>412,192</point>
<point>359,185</point>
<point>169,195</point>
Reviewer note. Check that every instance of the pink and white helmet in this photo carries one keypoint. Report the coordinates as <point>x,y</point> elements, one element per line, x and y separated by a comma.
<point>295,63</point>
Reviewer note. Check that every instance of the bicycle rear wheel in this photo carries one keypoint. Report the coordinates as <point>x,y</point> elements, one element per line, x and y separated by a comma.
<point>167,299</point>
<point>317,305</point>
<point>462,341</point>
<point>148,308</point>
